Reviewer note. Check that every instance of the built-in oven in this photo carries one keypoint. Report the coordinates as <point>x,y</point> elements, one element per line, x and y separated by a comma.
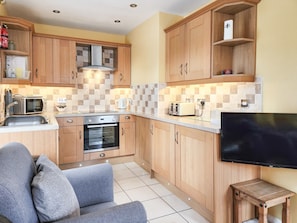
<point>101,132</point>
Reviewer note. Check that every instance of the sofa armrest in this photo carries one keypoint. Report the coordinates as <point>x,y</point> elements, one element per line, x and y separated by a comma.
<point>132,212</point>
<point>92,184</point>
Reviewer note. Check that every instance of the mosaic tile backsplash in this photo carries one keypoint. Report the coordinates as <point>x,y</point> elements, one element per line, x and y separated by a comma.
<point>94,92</point>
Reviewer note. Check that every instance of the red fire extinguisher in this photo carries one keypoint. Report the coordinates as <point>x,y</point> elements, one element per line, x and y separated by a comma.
<point>4,36</point>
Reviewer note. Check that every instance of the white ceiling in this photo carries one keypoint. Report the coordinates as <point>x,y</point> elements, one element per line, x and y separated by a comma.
<point>98,15</point>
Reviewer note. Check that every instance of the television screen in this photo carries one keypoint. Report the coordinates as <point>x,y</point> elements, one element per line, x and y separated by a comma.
<point>268,139</point>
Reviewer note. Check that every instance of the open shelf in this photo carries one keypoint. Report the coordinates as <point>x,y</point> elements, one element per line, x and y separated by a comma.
<point>237,54</point>
<point>233,42</point>
<point>233,9</point>
<point>20,32</point>
<point>15,52</point>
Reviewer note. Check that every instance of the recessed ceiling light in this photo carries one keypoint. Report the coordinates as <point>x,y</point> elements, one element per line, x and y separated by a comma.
<point>133,5</point>
<point>56,11</point>
<point>117,21</point>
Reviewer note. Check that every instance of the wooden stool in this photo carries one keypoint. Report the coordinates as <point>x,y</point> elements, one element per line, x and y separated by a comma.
<point>263,195</point>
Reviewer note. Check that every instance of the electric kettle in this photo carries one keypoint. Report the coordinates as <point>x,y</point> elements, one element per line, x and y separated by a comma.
<point>122,103</point>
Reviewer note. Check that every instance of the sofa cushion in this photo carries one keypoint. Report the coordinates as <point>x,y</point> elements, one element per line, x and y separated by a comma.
<point>17,170</point>
<point>53,195</point>
<point>44,162</point>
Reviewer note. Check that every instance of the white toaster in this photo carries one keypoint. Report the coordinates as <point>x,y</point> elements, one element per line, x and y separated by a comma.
<point>181,108</point>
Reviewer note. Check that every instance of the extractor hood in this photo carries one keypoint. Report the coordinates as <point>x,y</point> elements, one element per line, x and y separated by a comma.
<point>96,60</point>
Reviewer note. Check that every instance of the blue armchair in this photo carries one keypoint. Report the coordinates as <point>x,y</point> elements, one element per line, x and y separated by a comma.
<point>28,190</point>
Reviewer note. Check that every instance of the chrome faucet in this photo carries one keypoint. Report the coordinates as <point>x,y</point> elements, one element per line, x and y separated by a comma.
<point>9,106</point>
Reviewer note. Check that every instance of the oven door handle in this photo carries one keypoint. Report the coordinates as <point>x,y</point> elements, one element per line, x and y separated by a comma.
<point>101,126</point>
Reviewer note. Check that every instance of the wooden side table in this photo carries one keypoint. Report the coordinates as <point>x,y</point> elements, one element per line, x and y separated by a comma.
<point>263,195</point>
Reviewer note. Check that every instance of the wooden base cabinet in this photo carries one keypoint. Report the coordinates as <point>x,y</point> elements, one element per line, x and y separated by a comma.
<point>163,150</point>
<point>189,159</point>
<point>71,139</point>
<point>127,135</point>
<point>143,144</point>
<point>37,142</point>
<point>194,165</point>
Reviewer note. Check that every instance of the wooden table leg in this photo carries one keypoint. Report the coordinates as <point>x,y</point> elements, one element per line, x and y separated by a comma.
<point>237,209</point>
<point>286,212</point>
<point>263,211</point>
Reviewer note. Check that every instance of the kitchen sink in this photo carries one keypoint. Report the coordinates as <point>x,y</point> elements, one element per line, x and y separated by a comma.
<point>25,120</point>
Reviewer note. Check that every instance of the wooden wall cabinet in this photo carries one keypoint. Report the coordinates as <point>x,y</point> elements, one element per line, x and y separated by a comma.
<point>122,76</point>
<point>54,61</point>
<point>163,150</point>
<point>42,60</point>
<point>143,144</point>
<point>20,32</point>
<point>196,51</point>
<point>127,135</point>
<point>188,49</point>
<point>71,139</point>
<point>237,54</point>
<point>65,71</point>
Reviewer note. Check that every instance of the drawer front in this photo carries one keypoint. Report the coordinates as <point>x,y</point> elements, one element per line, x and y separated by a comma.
<point>101,155</point>
<point>70,121</point>
<point>127,118</point>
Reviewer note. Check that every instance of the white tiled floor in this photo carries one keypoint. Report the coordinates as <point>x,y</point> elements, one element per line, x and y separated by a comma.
<point>131,183</point>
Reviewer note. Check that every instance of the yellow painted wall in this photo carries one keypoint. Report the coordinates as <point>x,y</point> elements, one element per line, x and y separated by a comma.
<point>277,65</point>
<point>148,49</point>
<point>277,54</point>
<point>79,33</point>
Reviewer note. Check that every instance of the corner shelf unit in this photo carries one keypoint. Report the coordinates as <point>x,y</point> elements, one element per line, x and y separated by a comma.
<point>239,53</point>
<point>20,32</point>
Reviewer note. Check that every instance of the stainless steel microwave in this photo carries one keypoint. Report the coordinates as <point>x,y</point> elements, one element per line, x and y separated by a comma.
<point>27,105</point>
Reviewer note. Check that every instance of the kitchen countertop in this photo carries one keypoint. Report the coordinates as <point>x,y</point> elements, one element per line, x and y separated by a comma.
<point>187,121</point>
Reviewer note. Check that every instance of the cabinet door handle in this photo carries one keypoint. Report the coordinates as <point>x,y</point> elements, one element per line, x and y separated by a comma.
<point>69,121</point>
<point>181,69</point>
<point>186,68</point>
<point>36,72</point>
<point>176,138</point>
<point>123,131</point>
<point>127,117</point>
<point>152,130</point>
<point>121,76</point>
<point>73,75</point>
<point>80,135</point>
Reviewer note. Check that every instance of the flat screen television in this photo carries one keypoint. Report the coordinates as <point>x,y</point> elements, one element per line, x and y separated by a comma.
<point>267,139</point>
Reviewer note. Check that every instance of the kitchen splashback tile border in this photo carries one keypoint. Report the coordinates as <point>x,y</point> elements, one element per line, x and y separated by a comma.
<point>94,92</point>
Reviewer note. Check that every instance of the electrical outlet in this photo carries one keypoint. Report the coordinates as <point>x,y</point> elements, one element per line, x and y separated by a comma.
<point>244,103</point>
